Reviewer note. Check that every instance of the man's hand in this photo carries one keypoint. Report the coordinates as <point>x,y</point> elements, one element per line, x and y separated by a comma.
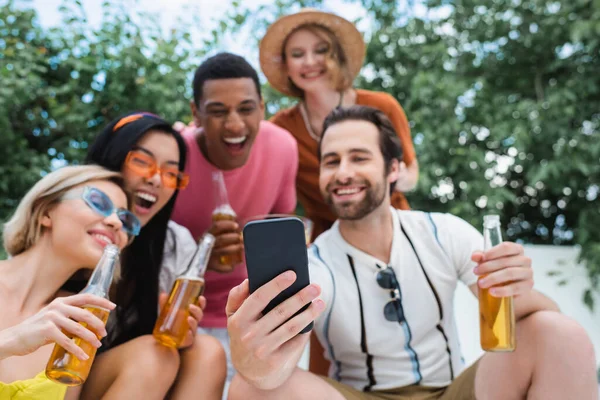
<point>266,349</point>
<point>228,242</point>
<point>196,315</point>
<point>505,269</point>
<point>180,126</point>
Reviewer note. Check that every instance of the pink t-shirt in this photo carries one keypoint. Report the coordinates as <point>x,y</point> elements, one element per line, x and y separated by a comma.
<point>266,184</point>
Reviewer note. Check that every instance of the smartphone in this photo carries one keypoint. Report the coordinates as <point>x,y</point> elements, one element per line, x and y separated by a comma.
<point>272,247</point>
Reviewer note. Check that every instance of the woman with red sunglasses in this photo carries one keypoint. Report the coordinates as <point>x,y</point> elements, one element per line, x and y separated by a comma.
<point>151,156</point>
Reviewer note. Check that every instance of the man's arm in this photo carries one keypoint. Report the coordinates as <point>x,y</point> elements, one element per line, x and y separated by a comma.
<point>526,305</point>
<point>506,271</point>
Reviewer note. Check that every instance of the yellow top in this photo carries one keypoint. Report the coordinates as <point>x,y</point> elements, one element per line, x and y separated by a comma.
<point>38,388</point>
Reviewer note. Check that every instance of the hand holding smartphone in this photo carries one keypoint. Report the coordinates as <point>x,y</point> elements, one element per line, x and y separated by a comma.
<point>273,246</point>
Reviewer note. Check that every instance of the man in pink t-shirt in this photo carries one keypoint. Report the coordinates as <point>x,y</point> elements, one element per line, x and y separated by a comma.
<point>258,159</point>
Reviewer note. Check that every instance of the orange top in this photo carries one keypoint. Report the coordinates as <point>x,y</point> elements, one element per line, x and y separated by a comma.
<point>307,180</point>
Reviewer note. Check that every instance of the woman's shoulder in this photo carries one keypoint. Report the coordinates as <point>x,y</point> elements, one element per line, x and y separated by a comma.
<point>179,248</point>
<point>177,237</point>
<point>375,99</point>
<point>286,116</point>
<point>178,232</point>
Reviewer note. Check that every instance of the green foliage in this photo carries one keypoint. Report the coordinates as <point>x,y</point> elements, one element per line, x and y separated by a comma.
<point>487,127</point>
<point>505,120</point>
<point>503,99</point>
<point>60,85</point>
<point>20,68</point>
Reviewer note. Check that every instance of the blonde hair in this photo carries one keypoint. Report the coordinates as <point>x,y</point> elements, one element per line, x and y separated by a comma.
<point>337,63</point>
<point>24,228</point>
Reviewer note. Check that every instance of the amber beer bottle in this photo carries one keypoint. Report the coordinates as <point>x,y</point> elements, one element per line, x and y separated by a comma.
<point>223,211</point>
<point>171,327</point>
<point>64,367</point>
<point>496,314</point>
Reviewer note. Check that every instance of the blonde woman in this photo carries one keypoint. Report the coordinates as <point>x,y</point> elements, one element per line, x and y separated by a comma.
<point>315,56</point>
<point>61,226</point>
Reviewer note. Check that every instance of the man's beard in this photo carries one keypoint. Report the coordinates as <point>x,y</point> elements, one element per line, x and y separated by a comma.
<point>352,211</point>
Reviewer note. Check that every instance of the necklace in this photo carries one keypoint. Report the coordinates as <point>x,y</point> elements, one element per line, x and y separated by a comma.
<point>306,118</point>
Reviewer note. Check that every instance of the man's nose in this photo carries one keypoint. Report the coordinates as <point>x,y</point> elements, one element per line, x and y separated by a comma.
<point>234,123</point>
<point>345,172</point>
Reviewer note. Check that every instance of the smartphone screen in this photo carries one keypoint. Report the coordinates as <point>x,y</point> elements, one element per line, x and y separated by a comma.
<point>272,247</point>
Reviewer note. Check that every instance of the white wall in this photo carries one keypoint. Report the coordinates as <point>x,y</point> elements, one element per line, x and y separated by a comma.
<point>568,297</point>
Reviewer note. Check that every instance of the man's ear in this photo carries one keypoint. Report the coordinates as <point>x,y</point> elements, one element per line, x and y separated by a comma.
<point>262,107</point>
<point>195,113</point>
<point>394,172</point>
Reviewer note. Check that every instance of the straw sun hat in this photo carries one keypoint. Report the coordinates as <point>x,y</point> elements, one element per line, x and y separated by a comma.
<point>271,46</point>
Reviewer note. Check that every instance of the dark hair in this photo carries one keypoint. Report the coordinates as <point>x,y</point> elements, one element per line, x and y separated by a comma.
<point>223,66</point>
<point>389,144</point>
<point>137,291</point>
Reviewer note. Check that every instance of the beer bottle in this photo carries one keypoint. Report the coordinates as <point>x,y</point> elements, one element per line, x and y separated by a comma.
<point>64,367</point>
<point>224,212</point>
<point>496,314</point>
<point>171,327</point>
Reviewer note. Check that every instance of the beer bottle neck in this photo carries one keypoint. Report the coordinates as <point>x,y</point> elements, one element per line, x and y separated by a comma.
<point>492,236</point>
<point>101,279</point>
<point>221,198</point>
<point>199,261</point>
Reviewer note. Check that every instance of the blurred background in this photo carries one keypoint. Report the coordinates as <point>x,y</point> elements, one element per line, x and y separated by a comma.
<point>503,98</point>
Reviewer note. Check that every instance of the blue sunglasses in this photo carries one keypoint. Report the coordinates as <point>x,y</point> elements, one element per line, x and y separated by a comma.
<point>98,201</point>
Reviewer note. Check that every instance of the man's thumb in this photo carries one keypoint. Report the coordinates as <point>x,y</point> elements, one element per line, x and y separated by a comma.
<point>236,298</point>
